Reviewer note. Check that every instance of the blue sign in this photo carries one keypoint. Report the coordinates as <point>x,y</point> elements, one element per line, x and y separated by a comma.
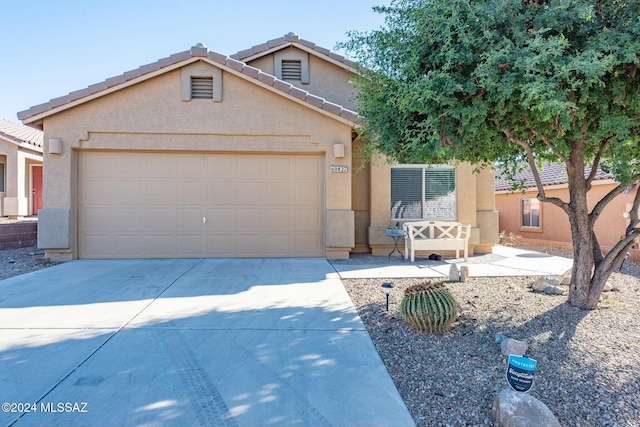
<point>520,370</point>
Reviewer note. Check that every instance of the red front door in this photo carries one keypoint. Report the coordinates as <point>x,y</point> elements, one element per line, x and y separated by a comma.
<point>37,189</point>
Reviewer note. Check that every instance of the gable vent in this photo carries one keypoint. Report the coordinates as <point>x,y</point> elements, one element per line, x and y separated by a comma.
<point>201,87</point>
<point>291,69</point>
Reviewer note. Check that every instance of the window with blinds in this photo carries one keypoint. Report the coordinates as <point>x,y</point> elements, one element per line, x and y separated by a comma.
<point>291,69</point>
<point>423,192</point>
<point>201,87</point>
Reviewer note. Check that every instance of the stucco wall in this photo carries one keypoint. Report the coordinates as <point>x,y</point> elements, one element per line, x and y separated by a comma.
<point>151,116</point>
<point>555,228</point>
<point>326,80</point>
<point>474,206</point>
<point>16,200</point>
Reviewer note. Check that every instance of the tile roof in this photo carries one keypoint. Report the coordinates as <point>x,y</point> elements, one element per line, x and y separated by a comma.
<point>198,52</point>
<point>20,133</point>
<point>550,174</point>
<point>292,39</point>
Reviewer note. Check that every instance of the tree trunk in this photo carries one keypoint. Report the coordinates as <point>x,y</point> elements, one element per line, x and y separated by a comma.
<point>585,287</point>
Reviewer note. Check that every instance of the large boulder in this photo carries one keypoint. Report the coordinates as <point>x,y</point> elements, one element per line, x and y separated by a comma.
<point>516,409</point>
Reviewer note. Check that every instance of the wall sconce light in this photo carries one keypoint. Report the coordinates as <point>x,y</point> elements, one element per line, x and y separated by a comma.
<point>338,151</point>
<point>55,146</point>
<point>386,288</point>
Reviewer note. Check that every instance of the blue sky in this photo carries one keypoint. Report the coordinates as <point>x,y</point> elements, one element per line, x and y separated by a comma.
<point>52,47</point>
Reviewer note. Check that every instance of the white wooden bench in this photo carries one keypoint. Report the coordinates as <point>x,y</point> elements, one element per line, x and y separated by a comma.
<point>435,235</point>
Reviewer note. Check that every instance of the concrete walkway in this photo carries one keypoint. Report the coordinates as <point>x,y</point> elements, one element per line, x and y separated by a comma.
<point>213,342</point>
<point>503,262</point>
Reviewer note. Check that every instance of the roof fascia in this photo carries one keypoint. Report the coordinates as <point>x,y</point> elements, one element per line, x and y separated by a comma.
<point>36,119</point>
<point>305,48</point>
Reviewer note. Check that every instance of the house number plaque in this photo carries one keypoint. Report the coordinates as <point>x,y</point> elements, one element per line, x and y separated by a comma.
<point>339,169</point>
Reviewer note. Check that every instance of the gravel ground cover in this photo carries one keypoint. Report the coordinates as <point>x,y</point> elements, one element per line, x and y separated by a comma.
<point>587,360</point>
<point>14,262</point>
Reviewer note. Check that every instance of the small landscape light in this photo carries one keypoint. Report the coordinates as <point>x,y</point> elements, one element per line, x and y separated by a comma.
<point>626,256</point>
<point>387,287</point>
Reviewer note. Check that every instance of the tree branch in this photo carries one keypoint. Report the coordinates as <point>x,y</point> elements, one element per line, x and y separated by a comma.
<point>596,162</point>
<point>548,143</point>
<point>536,174</point>
<point>602,203</point>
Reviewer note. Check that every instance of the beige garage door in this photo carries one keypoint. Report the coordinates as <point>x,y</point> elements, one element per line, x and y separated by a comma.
<point>159,205</point>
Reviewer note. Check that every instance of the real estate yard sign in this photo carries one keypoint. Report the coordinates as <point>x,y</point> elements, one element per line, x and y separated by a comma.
<point>520,371</point>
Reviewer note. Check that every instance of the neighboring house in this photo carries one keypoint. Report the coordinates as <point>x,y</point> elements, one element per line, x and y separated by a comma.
<point>20,170</point>
<point>205,155</point>
<point>544,223</point>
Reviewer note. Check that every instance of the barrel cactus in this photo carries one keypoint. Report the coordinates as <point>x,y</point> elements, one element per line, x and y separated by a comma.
<point>429,307</point>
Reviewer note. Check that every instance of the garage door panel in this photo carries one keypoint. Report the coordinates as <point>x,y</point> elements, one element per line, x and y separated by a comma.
<point>189,219</point>
<point>161,245</point>
<point>100,191</point>
<point>98,218</point>
<point>128,191</point>
<point>307,219</point>
<point>220,167</point>
<point>250,219</point>
<point>161,191</point>
<point>199,205</point>
<point>279,167</point>
<point>221,219</point>
<point>189,166</point>
<point>307,193</point>
<point>279,219</point>
<point>190,192</point>
<point>250,244</point>
<point>250,192</point>
<point>250,166</point>
<point>128,245</point>
<point>220,192</point>
<point>129,166</point>
<point>189,245</point>
<point>159,166</point>
<point>281,193</point>
<point>307,244</point>
<point>279,244</point>
<point>220,244</point>
<point>161,219</point>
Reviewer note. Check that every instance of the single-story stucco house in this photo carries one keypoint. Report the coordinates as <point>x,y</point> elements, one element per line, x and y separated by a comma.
<point>251,155</point>
<point>20,170</point>
<point>522,214</point>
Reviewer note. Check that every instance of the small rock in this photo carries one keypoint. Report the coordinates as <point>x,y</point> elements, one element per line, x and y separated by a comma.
<point>607,287</point>
<point>554,290</point>
<point>43,261</point>
<point>516,409</point>
<point>543,283</point>
<point>511,346</point>
<point>566,281</point>
<point>454,273</point>
<point>464,273</point>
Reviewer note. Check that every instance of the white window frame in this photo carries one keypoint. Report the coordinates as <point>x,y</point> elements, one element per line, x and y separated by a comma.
<point>445,208</point>
<point>530,214</point>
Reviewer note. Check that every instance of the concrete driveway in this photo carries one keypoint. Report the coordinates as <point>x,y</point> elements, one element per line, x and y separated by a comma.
<point>215,342</point>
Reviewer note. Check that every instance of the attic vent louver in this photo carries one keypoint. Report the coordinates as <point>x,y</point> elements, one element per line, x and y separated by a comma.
<point>201,87</point>
<point>291,69</point>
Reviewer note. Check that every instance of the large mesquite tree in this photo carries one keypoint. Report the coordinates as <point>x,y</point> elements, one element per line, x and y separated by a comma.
<point>513,81</point>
